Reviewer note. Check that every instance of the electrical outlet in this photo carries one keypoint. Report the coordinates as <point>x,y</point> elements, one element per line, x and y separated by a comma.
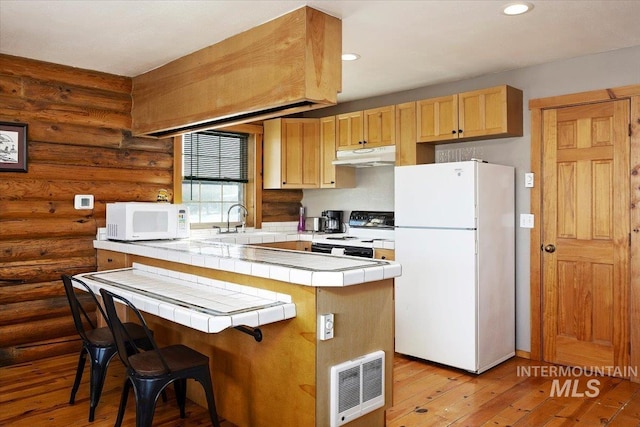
<point>526,220</point>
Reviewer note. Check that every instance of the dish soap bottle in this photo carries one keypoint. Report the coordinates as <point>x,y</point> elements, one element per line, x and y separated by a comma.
<point>301,220</point>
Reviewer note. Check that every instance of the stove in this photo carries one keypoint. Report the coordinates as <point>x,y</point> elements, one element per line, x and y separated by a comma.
<point>365,227</point>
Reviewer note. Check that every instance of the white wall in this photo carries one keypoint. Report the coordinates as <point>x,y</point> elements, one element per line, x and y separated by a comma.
<point>375,185</point>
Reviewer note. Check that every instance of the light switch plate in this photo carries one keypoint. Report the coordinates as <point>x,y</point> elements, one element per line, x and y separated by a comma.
<point>83,201</point>
<point>326,326</point>
<point>528,180</point>
<point>526,220</point>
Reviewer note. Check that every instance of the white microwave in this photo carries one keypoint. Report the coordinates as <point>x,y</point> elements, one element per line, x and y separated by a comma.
<point>130,221</point>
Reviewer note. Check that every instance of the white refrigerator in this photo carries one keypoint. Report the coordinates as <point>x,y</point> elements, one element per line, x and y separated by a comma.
<point>454,237</point>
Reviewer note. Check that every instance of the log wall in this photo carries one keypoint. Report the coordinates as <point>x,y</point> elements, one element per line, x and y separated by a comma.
<point>79,142</point>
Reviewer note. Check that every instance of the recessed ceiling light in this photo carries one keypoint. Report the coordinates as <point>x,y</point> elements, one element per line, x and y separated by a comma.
<point>350,56</point>
<point>516,8</point>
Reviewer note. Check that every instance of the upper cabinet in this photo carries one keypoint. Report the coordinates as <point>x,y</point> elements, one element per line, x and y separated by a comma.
<point>380,126</point>
<point>437,119</point>
<point>408,152</point>
<point>332,176</point>
<point>481,114</point>
<point>369,128</point>
<point>286,65</point>
<point>291,153</point>
<point>350,131</point>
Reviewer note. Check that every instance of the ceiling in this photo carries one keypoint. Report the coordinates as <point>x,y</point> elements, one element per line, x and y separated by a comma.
<point>403,44</point>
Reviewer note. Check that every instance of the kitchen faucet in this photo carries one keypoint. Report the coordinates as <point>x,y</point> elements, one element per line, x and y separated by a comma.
<point>244,216</point>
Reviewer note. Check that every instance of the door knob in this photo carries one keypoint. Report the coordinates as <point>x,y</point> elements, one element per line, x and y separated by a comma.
<point>550,248</point>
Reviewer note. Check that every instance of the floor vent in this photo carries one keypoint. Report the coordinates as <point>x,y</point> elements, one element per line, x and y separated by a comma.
<point>357,387</point>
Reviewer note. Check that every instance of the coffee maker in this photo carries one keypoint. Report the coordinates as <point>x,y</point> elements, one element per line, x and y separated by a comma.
<point>332,221</point>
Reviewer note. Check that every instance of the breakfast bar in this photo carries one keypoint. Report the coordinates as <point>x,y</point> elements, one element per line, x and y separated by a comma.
<point>285,378</point>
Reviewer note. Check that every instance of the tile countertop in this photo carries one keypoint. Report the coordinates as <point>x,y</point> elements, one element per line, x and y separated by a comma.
<point>200,303</point>
<point>303,268</point>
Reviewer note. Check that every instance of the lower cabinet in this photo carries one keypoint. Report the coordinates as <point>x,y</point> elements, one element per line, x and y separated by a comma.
<point>386,254</point>
<point>298,245</point>
<point>108,260</point>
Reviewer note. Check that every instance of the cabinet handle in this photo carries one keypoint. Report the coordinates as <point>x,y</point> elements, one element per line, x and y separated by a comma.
<point>459,130</point>
<point>383,257</point>
<point>109,260</point>
<point>283,182</point>
<point>333,182</point>
<point>453,131</point>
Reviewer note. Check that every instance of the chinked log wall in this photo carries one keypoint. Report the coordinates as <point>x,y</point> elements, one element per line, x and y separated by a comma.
<point>79,142</point>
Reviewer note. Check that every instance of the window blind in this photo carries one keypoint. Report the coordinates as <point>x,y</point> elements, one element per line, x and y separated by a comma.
<point>215,156</point>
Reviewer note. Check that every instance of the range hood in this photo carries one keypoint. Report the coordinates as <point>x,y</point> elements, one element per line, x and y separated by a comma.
<point>366,157</point>
<point>284,66</point>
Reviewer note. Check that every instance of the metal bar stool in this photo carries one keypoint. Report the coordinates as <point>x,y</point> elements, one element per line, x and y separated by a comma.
<point>151,371</point>
<point>97,342</point>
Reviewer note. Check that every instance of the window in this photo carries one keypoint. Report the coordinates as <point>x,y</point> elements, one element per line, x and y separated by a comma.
<point>214,175</point>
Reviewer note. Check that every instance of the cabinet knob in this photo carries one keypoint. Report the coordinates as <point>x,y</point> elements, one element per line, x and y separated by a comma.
<point>283,182</point>
<point>453,131</point>
<point>383,257</point>
<point>109,260</point>
<point>333,182</point>
<point>459,130</point>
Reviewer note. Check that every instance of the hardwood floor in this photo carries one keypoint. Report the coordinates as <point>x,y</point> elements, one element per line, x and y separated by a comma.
<point>516,393</point>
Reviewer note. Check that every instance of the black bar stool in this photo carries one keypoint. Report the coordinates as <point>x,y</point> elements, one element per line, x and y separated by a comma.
<point>97,342</point>
<point>151,371</point>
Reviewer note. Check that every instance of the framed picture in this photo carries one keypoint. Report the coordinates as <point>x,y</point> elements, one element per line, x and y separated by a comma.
<point>13,147</point>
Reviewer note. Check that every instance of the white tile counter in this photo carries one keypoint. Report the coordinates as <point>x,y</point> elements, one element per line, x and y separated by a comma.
<point>302,268</point>
<point>200,303</point>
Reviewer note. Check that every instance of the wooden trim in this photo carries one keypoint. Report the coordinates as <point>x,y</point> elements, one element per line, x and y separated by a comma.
<point>634,266</point>
<point>523,354</point>
<point>177,169</point>
<point>258,174</point>
<point>535,278</point>
<point>585,97</point>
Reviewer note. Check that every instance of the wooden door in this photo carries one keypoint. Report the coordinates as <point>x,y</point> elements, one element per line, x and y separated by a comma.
<point>380,126</point>
<point>483,112</point>
<point>301,153</point>
<point>585,236</point>
<point>437,119</point>
<point>350,131</point>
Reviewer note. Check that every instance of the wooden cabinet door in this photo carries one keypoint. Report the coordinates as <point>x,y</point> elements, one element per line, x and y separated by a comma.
<point>408,152</point>
<point>327,151</point>
<point>585,220</point>
<point>300,153</point>
<point>380,126</point>
<point>386,254</point>
<point>350,131</point>
<point>332,176</point>
<point>437,119</point>
<point>483,112</point>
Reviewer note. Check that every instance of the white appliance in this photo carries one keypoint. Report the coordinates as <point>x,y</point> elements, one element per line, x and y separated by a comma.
<point>455,300</point>
<point>129,221</point>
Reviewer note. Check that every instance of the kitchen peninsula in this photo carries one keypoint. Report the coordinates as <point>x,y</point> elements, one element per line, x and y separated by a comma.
<point>284,379</point>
